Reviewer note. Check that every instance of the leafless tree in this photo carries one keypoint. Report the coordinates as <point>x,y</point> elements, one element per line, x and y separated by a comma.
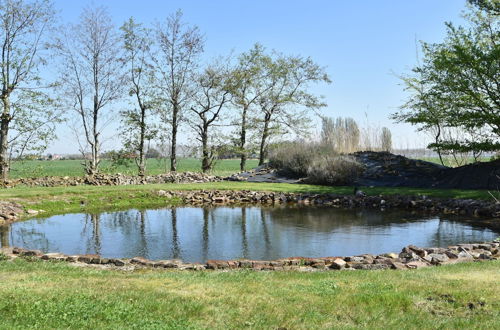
<point>386,139</point>
<point>92,77</point>
<point>24,24</point>
<point>176,61</point>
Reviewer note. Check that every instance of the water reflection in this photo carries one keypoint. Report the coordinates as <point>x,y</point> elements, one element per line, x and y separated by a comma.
<point>198,234</point>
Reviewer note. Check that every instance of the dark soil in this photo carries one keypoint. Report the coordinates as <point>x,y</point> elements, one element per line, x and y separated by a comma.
<point>383,169</point>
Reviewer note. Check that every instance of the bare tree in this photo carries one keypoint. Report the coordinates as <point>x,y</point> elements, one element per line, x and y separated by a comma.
<point>176,62</point>
<point>342,134</point>
<point>24,24</point>
<point>386,139</point>
<point>140,78</point>
<point>91,77</point>
<point>213,93</point>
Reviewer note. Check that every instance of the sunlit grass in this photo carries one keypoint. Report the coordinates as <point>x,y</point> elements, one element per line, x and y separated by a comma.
<point>55,295</point>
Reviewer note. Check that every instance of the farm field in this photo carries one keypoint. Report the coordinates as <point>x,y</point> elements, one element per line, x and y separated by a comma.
<point>40,168</point>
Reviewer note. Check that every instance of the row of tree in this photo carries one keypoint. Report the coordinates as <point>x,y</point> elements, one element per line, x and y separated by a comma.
<point>455,90</point>
<point>157,71</point>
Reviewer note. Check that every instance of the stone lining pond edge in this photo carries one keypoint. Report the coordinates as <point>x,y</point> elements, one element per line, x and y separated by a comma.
<point>486,213</point>
<point>410,257</point>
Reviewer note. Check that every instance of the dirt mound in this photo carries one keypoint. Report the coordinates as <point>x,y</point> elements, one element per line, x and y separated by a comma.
<point>483,175</point>
<point>383,169</point>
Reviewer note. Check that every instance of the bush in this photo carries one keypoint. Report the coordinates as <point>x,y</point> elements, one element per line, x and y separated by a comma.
<point>316,161</point>
<point>334,170</point>
<point>293,158</point>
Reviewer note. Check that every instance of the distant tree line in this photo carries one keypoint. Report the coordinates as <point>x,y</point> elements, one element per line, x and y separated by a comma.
<point>158,72</point>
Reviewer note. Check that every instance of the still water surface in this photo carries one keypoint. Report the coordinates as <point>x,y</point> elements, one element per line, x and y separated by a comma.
<point>197,234</point>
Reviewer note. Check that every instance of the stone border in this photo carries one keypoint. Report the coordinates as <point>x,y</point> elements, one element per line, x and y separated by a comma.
<point>411,257</point>
<point>489,211</point>
<point>111,180</point>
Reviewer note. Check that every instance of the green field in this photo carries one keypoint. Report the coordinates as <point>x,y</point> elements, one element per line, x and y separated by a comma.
<point>36,294</point>
<point>40,168</point>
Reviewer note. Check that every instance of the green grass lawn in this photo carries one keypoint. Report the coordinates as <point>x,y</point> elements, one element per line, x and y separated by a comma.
<point>39,168</point>
<point>57,295</point>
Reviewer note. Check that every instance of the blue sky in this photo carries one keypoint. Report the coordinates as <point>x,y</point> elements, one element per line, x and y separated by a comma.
<point>363,44</point>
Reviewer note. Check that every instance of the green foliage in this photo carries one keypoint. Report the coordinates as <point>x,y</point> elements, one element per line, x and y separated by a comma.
<point>454,92</point>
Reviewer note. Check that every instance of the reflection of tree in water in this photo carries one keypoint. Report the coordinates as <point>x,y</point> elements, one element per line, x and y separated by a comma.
<point>265,231</point>
<point>323,219</point>
<point>175,236</point>
<point>31,238</point>
<point>4,236</point>
<point>450,232</point>
<point>93,241</point>
<point>244,239</point>
<point>204,233</point>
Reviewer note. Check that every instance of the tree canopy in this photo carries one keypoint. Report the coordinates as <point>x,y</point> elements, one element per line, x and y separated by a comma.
<point>456,88</point>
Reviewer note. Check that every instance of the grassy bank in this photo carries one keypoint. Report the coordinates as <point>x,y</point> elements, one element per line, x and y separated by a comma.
<point>95,198</point>
<point>57,295</point>
<point>40,168</point>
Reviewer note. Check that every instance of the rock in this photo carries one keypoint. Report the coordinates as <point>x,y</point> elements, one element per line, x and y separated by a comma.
<point>416,264</point>
<point>391,255</point>
<point>54,256</point>
<point>32,212</point>
<point>438,258</point>
<point>31,253</point>
<point>397,265</point>
<point>338,264</point>
<point>141,261</point>
<point>87,258</point>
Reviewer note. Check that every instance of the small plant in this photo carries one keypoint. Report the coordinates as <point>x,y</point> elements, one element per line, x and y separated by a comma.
<point>3,257</point>
<point>334,169</point>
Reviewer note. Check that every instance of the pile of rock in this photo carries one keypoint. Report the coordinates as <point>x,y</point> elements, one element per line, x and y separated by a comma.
<point>411,257</point>
<point>113,180</point>
<point>10,211</point>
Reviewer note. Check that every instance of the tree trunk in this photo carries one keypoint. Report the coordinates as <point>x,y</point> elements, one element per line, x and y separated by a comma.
<point>142,153</point>
<point>243,138</point>
<point>205,161</point>
<point>173,151</point>
<point>4,140</point>
<point>263,141</point>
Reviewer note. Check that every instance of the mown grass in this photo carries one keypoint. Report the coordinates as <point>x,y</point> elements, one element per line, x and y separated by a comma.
<point>57,295</point>
<point>38,168</point>
<point>99,198</point>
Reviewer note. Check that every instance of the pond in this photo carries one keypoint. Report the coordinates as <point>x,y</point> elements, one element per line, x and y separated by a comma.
<point>196,234</point>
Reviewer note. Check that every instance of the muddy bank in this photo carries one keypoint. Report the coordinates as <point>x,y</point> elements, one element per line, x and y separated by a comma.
<point>383,169</point>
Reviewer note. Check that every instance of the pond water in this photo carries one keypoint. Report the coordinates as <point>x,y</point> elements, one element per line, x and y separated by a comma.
<point>197,234</point>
